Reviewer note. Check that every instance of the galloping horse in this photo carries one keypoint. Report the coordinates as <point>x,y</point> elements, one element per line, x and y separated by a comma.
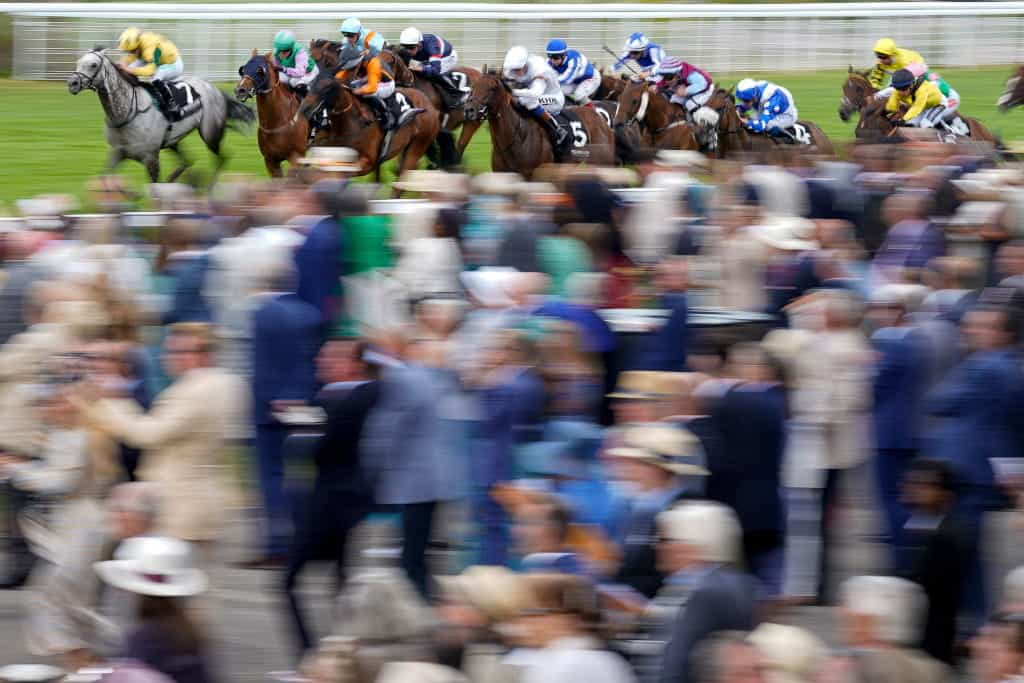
<point>857,93</point>
<point>137,129</point>
<point>1013,93</point>
<point>354,124</point>
<point>283,133</point>
<point>611,87</point>
<point>519,141</point>
<point>720,130</point>
<point>662,124</point>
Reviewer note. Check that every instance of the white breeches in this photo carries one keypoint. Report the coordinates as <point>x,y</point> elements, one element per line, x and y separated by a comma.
<point>581,92</point>
<point>294,81</point>
<point>693,102</point>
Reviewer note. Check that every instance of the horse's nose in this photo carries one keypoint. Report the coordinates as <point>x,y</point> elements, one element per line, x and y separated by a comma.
<point>73,85</point>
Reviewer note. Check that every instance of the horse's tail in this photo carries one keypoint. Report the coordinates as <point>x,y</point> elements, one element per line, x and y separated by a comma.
<point>240,117</point>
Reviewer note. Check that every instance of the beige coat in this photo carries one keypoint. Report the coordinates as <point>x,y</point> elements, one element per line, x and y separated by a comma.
<point>183,439</point>
<point>21,363</point>
<point>741,262</point>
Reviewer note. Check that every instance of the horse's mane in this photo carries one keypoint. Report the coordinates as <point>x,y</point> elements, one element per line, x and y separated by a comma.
<point>128,76</point>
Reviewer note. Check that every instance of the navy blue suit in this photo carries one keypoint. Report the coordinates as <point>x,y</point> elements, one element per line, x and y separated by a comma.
<point>187,302</point>
<point>318,263</point>
<point>752,420</point>
<point>285,340</point>
<point>900,379</point>
<point>513,411</point>
<point>665,349</point>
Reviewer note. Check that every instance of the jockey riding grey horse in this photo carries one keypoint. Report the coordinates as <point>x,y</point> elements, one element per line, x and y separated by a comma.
<point>137,129</point>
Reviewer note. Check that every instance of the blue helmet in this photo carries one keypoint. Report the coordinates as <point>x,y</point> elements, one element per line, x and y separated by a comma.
<point>902,79</point>
<point>557,46</point>
<point>749,90</point>
<point>636,42</point>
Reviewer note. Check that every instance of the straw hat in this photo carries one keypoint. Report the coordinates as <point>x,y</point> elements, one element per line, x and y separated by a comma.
<point>791,654</point>
<point>153,565</point>
<point>788,233</point>
<point>332,159</point>
<point>496,592</point>
<point>639,384</point>
<point>668,447</point>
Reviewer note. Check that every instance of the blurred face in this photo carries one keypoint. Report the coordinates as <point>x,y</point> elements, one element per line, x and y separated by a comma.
<point>126,523</point>
<point>921,493</point>
<point>556,60</point>
<point>336,362</point>
<point>285,54</point>
<point>350,37</point>
<point>883,59</point>
<point>982,330</point>
<point>993,656</point>
<point>183,353</point>
<point>534,532</point>
<point>1011,260</point>
<point>884,316</point>
<point>630,410</point>
<point>857,629</point>
<point>740,663</point>
<point>636,54</point>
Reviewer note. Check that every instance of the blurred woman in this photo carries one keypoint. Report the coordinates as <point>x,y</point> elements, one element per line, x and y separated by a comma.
<point>572,378</point>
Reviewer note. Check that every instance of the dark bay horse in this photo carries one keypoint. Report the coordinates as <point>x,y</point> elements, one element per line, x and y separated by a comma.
<point>662,124</point>
<point>354,124</point>
<point>520,143</point>
<point>611,87</point>
<point>1013,92</point>
<point>720,131</point>
<point>875,123</point>
<point>857,93</point>
<point>283,133</point>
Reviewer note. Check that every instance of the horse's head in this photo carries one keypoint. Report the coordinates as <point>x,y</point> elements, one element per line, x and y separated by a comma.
<point>257,77</point>
<point>87,71</point>
<point>394,60</point>
<point>856,93</point>
<point>324,52</point>
<point>1013,93</point>
<point>484,96</point>
<point>718,115</point>
<point>633,101</point>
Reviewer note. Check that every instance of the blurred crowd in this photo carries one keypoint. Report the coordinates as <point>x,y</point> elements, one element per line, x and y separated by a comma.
<point>625,425</point>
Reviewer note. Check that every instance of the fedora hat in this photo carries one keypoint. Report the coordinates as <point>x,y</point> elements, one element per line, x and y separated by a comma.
<point>669,447</point>
<point>153,565</point>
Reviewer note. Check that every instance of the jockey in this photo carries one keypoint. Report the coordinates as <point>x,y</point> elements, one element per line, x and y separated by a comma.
<point>374,84</point>
<point>151,55</point>
<point>536,89</point>
<point>297,68</point>
<point>774,107</point>
<point>356,34</point>
<point>890,60</point>
<point>646,54</point>
<point>691,87</point>
<point>576,75</point>
<point>928,106</point>
<point>431,55</point>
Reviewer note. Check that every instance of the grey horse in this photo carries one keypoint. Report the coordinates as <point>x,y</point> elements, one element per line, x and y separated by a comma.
<point>137,129</point>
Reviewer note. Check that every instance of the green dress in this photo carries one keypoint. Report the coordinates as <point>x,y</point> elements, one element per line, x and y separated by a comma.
<point>366,247</point>
<point>560,257</point>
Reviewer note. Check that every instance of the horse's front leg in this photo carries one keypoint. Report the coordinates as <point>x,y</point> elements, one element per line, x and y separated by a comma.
<point>185,163</point>
<point>152,164</point>
<point>116,157</point>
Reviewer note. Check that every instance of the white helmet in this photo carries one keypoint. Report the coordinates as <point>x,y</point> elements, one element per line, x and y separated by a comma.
<point>636,42</point>
<point>516,58</point>
<point>410,36</point>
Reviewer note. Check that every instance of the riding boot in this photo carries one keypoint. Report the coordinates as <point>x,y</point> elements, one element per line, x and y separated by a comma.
<point>391,110</point>
<point>559,134</point>
<point>168,104</point>
<point>450,91</point>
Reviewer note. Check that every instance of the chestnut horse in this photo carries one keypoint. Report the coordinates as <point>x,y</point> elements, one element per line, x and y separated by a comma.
<point>720,131</point>
<point>283,133</point>
<point>611,87</point>
<point>354,124</point>
<point>1013,92</point>
<point>857,93</point>
<point>662,124</point>
<point>520,143</point>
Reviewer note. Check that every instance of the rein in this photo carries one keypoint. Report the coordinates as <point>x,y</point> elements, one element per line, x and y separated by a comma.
<point>90,84</point>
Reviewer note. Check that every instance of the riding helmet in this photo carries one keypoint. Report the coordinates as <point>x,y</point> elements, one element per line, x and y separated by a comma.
<point>885,46</point>
<point>129,41</point>
<point>516,58</point>
<point>637,42</point>
<point>902,79</point>
<point>284,40</point>
<point>410,37</point>
<point>556,47</point>
<point>748,90</point>
<point>670,66</point>
<point>351,25</point>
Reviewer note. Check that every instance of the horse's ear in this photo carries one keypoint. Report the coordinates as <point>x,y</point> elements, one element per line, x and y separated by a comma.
<point>849,68</point>
<point>241,70</point>
<point>728,91</point>
<point>99,48</point>
<point>255,53</point>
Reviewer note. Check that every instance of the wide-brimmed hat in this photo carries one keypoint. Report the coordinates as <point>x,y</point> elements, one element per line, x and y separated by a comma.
<point>568,449</point>
<point>153,565</point>
<point>640,385</point>
<point>332,159</point>
<point>30,673</point>
<point>788,233</point>
<point>669,447</point>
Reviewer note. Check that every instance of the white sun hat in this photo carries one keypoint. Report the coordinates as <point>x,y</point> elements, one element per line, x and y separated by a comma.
<point>153,565</point>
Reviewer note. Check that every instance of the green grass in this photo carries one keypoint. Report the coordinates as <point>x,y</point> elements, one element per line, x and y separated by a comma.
<point>51,141</point>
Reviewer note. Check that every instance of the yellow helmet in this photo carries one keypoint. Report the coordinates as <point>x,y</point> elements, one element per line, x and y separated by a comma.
<point>885,46</point>
<point>129,40</point>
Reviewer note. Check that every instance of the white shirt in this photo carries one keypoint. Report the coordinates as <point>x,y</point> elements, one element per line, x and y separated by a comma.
<point>576,659</point>
<point>540,78</point>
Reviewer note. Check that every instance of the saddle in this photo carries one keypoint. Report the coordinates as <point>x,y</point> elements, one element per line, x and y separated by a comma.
<point>176,100</point>
<point>451,97</point>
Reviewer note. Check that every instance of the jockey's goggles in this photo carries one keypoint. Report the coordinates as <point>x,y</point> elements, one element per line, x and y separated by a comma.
<point>879,55</point>
<point>350,35</point>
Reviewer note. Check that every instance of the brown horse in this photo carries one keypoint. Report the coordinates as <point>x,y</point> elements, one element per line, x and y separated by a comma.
<point>663,125</point>
<point>519,141</point>
<point>354,124</point>
<point>857,93</point>
<point>611,87</point>
<point>720,131</point>
<point>876,123</point>
<point>1013,93</point>
<point>283,134</point>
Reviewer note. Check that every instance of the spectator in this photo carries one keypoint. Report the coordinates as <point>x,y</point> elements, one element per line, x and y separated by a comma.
<point>789,654</point>
<point>728,657</point>
<point>186,263</point>
<point>542,529</point>
<point>572,378</point>
<point>997,652</point>
<point>665,349</point>
<point>318,260</point>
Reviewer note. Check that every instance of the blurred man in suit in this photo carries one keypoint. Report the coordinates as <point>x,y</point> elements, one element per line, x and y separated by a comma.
<point>318,260</point>
<point>975,408</point>
<point>665,348</point>
<point>341,496</point>
<point>698,548</point>
<point>286,337</point>
<point>901,374</point>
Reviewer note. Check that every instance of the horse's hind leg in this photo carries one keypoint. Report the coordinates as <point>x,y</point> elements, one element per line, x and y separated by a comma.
<point>185,163</point>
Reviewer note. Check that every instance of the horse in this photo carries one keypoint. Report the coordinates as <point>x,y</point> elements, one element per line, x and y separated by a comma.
<point>720,131</point>
<point>857,92</point>
<point>520,143</point>
<point>354,124</point>
<point>283,134</point>
<point>1013,92</point>
<point>875,124</point>
<point>662,124</point>
<point>611,87</point>
<point>136,128</point>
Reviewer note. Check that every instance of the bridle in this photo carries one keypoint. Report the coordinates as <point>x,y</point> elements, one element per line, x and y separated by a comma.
<point>89,83</point>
